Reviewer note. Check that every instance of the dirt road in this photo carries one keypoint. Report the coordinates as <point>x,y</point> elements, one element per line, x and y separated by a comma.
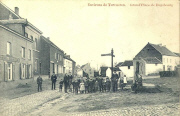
<point>52,102</point>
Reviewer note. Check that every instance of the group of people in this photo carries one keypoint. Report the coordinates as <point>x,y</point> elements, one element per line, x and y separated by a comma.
<point>87,85</point>
<point>90,85</point>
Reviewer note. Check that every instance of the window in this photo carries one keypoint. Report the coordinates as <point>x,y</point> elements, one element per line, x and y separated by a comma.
<point>8,48</point>
<point>26,35</point>
<point>9,71</point>
<point>36,65</point>
<point>23,52</point>
<point>164,60</point>
<point>31,37</point>
<point>35,43</point>
<point>129,67</point>
<point>57,56</point>
<point>29,54</point>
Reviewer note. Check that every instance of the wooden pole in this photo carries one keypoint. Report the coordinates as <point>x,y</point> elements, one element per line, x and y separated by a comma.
<point>111,69</point>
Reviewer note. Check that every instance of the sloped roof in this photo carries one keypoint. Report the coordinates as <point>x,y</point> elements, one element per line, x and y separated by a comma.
<point>10,10</point>
<point>178,54</point>
<point>127,63</point>
<point>163,50</point>
<point>119,64</point>
<point>66,57</point>
<point>152,60</point>
<point>51,43</point>
<point>20,19</point>
<point>84,65</point>
<point>115,69</point>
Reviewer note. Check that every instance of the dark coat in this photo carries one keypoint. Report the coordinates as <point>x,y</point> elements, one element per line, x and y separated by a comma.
<point>39,80</point>
<point>53,78</point>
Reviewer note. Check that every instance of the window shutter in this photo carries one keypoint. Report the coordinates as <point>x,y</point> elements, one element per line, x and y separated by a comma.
<point>20,72</point>
<point>26,71</point>
<point>6,71</point>
<point>13,72</point>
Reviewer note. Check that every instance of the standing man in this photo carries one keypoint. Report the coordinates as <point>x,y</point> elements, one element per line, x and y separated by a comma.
<point>53,79</point>
<point>65,83</point>
<point>39,82</point>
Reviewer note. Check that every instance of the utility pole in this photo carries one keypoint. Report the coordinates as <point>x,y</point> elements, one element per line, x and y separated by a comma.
<point>112,55</point>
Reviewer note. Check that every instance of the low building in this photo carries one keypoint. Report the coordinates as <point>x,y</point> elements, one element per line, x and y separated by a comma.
<point>127,68</point>
<point>51,57</point>
<point>154,58</point>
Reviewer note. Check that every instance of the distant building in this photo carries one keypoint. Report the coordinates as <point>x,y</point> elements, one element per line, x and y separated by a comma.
<point>102,71</point>
<point>86,70</point>
<point>69,65</point>
<point>51,57</point>
<point>106,71</point>
<point>115,70</point>
<point>154,58</point>
<point>127,68</point>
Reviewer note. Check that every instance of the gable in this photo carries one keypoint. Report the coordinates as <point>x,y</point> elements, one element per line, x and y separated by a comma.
<point>5,12</point>
<point>149,51</point>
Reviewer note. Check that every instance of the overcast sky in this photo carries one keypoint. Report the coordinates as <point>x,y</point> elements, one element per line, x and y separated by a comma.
<point>85,32</point>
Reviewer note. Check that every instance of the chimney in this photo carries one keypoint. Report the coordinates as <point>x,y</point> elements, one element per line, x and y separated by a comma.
<point>160,44</point>
<point>16,9</point>
<point>48,38</point>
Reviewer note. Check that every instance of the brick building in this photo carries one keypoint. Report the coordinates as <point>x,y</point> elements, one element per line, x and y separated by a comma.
<point>51,57</point>
<point>16,59</point>
<point>28,39</point>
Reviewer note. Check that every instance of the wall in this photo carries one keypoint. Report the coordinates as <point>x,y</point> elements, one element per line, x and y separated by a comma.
<point>35,34</point>
<point>153,68</point>
<point>170,61</point>
<point>16,44</point>
<point>127,72</point>
<point>44,57</point>
<point>19,28</point>
<point>68,66</point>
<point>56,62</point>
<point>80,73</point>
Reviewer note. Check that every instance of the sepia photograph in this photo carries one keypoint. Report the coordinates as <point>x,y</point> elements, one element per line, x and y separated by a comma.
<point>89,57</point>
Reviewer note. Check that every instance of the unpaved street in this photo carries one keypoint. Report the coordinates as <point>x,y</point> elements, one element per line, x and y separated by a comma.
<point>52,102</point>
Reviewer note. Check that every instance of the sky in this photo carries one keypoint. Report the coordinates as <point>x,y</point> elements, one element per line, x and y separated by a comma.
<point>85,32</point>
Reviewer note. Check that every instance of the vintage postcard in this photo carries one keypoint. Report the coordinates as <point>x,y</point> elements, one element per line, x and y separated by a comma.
<point>89,58</point>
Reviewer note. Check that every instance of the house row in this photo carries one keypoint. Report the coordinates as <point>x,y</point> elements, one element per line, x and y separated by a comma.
<point>25,52</point>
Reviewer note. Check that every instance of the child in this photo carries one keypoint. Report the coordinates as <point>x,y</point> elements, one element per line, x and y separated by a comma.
<point>60,85</point>
<point>82,87</point>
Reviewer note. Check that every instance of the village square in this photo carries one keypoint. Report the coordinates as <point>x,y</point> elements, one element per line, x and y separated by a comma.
<point>39,77</point>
